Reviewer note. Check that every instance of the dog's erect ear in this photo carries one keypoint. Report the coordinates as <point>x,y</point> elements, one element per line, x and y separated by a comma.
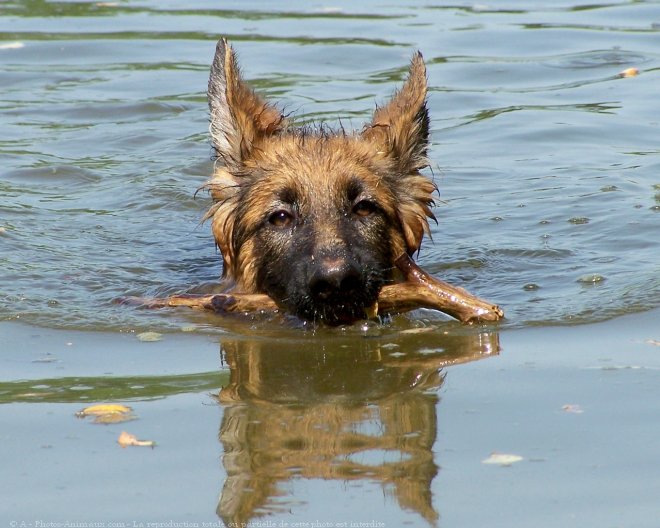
<point>399,132</point>
<point>400,129</point>
<point>240,119</point>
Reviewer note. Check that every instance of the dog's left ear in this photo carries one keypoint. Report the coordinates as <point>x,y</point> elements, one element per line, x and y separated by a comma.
<point>240,119</point>
<point>399,132</point>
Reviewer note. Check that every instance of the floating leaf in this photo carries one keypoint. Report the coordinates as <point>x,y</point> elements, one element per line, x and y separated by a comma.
<point>126,439</point>
<point>107,413</point>
<point>103,408</point>
<point>629,72</point>
<point>502,459</point>
<point>150,336</point>
<point>591,279</point>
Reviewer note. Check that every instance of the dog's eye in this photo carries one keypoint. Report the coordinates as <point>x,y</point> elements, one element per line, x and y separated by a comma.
<point>364,208</point>
<point>280,218</point>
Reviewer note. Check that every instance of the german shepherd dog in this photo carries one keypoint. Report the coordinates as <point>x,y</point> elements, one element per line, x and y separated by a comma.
<point>311,216</point>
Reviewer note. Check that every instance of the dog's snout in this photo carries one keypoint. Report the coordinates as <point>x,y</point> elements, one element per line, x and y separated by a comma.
<point>333,277</point>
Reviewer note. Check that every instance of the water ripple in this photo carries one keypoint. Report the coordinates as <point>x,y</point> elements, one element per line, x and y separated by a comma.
<point>547,163</point>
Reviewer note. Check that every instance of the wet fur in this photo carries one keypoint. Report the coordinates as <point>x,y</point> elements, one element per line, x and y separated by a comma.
<point>291,201</point>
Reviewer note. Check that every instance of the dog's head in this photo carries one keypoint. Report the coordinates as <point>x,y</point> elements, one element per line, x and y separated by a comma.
<point>311,216</point>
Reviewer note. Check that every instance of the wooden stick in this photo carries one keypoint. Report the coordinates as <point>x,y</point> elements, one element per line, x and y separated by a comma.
<point>420,290</point>
<point>217,302</point>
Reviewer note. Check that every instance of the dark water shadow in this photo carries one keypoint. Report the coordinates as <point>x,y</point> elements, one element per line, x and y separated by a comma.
<point>344,409</point>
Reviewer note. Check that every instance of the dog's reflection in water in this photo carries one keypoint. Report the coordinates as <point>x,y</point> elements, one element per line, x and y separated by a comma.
<point>345,409</point>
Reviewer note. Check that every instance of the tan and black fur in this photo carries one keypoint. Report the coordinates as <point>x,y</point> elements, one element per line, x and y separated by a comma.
<point>314,217</point>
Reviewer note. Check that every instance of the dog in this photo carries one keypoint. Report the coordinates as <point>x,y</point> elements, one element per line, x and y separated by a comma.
<point>311,216</point>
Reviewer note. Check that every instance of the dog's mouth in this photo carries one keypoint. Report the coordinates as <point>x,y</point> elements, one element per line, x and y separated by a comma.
<point>341,315</point>
<point>337,315</point>
<point>339,310</point>
<point>334,291</point>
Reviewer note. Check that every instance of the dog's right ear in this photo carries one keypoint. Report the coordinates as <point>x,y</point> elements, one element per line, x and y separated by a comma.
<point>240,119</point>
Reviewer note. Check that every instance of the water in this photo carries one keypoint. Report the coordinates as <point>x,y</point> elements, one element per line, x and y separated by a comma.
<point>548,167</point>
<point>104,143</point>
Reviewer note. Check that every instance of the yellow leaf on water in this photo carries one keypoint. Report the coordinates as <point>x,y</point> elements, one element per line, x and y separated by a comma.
<point>629,72</point>
<point>502,459</point>
<point>102,409</point>
<point>126,439</point>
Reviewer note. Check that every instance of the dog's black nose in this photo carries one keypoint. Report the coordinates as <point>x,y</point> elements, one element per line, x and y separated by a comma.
<point>334,277</point>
